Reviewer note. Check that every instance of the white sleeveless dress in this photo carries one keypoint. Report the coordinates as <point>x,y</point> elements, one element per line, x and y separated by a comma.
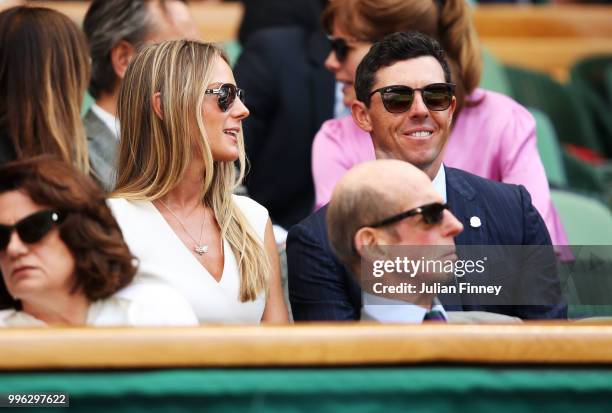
<point>163,257</point>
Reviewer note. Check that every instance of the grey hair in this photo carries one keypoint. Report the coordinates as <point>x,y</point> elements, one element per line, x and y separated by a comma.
<point>106,23</point>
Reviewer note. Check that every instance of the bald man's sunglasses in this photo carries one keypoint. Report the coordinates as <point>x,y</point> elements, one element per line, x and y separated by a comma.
<point>399,98</point>
<point>30,229</point>
<point>227,95</point>
<point>432,214</point>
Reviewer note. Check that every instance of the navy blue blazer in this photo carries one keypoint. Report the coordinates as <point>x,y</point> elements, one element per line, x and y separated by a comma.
<point>321,288</point>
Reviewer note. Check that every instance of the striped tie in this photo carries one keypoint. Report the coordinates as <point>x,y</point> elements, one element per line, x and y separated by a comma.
<point>435,315</point>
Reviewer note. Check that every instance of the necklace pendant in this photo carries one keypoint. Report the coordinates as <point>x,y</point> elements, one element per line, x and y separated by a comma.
<point>200,249</point>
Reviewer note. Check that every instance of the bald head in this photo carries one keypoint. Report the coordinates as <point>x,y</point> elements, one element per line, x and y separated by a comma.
<point>368,193</point>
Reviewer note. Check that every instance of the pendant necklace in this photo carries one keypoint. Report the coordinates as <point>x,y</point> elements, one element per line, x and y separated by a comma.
<point>199,248</point>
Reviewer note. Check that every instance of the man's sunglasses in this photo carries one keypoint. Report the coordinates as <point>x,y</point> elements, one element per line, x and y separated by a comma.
<point>30,229</point>
<point>432,214</point>
<point>398,98</point>
<point>227,93</point>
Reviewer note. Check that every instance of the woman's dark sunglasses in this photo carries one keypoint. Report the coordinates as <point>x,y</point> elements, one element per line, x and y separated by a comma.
<point>432,214</point>
<point>340,46</point>
<point>399,98</point>
<point>30,229</point>
<point>227,95</point>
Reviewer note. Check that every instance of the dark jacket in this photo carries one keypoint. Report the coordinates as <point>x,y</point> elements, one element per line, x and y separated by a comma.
<point>321,288</point>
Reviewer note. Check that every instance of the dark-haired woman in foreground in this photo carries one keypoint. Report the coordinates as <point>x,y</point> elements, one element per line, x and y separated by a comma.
<point>63,258</point>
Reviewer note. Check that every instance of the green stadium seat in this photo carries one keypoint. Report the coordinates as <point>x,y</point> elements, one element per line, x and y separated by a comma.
<point>494,74</point>
<point>567,114</point>
<point>589,80</point>
<point>587,223</point>
<point>586,220</point>
<point>88,100</point>
<point>550,150</point>
<point>233,50</point>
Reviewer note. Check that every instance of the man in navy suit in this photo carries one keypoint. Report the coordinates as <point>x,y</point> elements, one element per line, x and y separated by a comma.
<point>405,100</point>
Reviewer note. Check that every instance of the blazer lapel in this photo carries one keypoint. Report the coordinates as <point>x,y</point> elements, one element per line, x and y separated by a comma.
<point>102,146</point>
<point>466,206</point>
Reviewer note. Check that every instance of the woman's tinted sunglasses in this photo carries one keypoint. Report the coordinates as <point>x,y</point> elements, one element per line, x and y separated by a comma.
<point>30,229</point>
<point>341,47</point>
<point>227,93</point>
<point>432,214</point>
<point>399,98</point>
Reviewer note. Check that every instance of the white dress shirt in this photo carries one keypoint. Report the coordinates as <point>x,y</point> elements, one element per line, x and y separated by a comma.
<point>387,310</point>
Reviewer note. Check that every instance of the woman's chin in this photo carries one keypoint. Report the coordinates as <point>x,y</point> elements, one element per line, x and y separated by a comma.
<point>226,156</point>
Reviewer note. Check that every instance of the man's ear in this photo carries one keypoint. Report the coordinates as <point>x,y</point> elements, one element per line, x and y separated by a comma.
<point>121,54</point>
<point>367,241</point>
<point>451,110</point>
<point>156,103</point>
<point>360,114</point>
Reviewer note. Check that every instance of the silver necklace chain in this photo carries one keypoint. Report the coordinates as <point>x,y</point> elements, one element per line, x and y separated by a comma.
<point>199,248</point>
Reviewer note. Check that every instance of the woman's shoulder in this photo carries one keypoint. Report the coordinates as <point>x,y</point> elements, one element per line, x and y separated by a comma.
<point>255,213</point>
<point>489,103</point>
<point>126,211</point>
<point>13,318</point>
<point>338,129</point>
<point>250,206</point>
<point>494,114</point>
<point>143,304</point>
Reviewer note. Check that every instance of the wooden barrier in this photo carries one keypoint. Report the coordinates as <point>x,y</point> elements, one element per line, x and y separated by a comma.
<point>304,345</point>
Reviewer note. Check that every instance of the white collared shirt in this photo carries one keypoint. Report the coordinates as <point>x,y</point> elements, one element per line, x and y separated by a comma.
<point>386,310</point>
<point>107,118</point>
<point>439,182</point>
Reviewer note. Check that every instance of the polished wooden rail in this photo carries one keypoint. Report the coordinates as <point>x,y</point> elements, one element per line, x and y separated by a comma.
<point>324,344</point>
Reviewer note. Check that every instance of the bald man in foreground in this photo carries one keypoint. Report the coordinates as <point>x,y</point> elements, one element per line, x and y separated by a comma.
<point>377,207</point>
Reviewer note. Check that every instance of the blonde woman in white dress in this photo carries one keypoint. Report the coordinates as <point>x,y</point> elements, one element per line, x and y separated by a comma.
<point>181,132</point>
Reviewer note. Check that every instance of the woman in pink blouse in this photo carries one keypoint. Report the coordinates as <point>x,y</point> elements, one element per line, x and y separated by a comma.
<point>492,135</point>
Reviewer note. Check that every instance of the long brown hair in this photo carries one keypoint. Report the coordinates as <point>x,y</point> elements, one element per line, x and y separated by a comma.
<point>448,21</point>
<point>154,153</point>
<point>44,71</point>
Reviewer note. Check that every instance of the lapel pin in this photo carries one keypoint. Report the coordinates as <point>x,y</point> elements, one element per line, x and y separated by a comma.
<point>475,222</point>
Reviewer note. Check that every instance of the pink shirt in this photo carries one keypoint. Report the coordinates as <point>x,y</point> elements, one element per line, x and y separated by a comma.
<point>495,139</point>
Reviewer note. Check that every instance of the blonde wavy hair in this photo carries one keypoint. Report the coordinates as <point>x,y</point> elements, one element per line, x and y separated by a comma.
<point>448,21</point>
<point>154,153</point>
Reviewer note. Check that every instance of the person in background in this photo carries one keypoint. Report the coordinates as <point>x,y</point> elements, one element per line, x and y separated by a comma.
<point>181,119</point>
<point>379,211</point>
<point>404,88</point>
<point>63,258</point>
<point>492,135</point>
<point>290,95</point>
<point>44,70</point>
<point>115,30</point>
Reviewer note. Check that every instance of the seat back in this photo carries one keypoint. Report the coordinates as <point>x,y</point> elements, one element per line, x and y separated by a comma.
<point>568,116</point>
<point>550,150</point>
